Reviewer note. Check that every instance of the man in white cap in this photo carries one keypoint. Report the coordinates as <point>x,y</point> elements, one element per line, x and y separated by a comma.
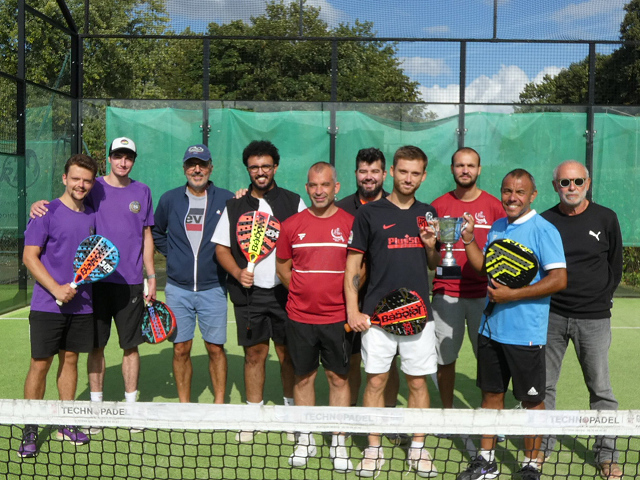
<point>124,214</point>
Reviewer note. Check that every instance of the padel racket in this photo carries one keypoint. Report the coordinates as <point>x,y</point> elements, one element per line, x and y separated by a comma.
<point>159,322</point>
<point>96,258</point>
<point>510,263</point>
<point>257,234</point>
<point>401,312</point>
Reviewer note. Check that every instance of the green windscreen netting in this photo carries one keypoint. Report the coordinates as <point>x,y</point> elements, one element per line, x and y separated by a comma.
<point>534,141</point>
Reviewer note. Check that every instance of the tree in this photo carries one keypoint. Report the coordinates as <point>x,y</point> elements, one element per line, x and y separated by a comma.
<point>617,75</point>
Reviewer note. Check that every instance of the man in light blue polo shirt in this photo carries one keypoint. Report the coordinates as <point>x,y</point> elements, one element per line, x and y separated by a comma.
<point>511,341</point>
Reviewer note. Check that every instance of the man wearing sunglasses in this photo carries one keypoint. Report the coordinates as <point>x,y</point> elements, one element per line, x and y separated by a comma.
<point>259,298</point>
<point>582,312</point>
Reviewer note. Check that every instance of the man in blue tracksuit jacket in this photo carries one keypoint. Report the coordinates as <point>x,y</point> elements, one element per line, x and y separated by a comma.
<point>186,218</point>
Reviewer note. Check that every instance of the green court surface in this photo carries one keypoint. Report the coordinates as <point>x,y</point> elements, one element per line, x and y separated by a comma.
<point>217,455</point>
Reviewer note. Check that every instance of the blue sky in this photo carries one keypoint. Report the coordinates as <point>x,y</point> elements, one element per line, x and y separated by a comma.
<point>496,73</point>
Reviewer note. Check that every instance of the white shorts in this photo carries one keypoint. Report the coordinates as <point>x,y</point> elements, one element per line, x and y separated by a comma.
<point>449,314</point>
<point>417,352</point>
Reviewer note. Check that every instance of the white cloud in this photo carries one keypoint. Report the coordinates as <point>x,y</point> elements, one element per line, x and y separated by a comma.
<point>414,66</point>
<point>503,87</point>
<point>587,9</point>
<point>551,71</point>
<point>225,10</point>
<point>436,30</point>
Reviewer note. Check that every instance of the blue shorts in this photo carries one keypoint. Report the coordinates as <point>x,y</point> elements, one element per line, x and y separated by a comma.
<point>210,306</point>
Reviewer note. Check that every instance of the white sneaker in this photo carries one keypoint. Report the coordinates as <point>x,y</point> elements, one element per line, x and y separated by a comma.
<point>305,448</point>
<point>91,430</point>
<point>419,460</point>
<point>244,436</point>
<point>291,436</point>
<point>371,463</point>
<point>340,456</point>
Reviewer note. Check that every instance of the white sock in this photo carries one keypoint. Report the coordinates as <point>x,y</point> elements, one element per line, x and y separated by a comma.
<point>415,444</point>
<point>288,402</point>
<point>531,462</point>
<point>260,403</point>
<point>337,440</point>
<point>131,397</point>
<point>488,455</point>
<point>96,396</point>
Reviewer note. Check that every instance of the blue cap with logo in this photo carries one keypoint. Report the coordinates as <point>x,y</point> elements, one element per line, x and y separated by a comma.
<point>200,152</point>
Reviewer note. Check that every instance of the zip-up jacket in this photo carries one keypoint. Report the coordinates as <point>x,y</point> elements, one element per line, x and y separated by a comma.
<point>170,238</point>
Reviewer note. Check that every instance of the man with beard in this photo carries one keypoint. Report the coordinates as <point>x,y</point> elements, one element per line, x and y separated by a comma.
<point>312,251</point>
<point>370,176</point>
<point>582,312</point>
<point>185,220</point>
<point>259,298</point>
<point>400,248</point>
<point>456,301</point>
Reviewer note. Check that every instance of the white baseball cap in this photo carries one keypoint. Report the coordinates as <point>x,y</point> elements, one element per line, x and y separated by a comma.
<point>123,143</point>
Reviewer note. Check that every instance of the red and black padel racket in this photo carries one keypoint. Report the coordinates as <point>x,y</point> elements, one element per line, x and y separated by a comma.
<point>257,233</point>
<point>401,312</point>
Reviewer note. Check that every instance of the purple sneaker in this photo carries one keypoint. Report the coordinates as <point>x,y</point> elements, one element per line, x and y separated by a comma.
<point>73,435</point>
<point>29,445</point>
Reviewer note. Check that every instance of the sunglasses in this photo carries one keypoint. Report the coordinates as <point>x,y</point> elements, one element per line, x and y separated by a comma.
<point>565,182</point>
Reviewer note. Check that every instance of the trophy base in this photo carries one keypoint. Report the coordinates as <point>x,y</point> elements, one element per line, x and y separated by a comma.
<point>449,272</point>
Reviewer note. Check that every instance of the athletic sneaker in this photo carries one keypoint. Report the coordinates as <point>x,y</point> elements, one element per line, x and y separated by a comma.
<point>305,448</point>
<point>340,456</point>
<point>371,463</point>
<point>72,435</point>
<point>420,460</point>
<point>244,436</point>
<point>528,473</point>
<point>91,430</point>
<point>479,468</point>
<point>29,445</point>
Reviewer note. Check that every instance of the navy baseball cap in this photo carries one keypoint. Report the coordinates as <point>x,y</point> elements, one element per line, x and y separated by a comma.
<point>200,152</point>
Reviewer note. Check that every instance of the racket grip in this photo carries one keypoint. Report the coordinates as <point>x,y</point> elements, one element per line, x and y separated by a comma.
<point>347,327</point>
<point>489,308</point>
<point>72,285</point>
<point>251,267</point>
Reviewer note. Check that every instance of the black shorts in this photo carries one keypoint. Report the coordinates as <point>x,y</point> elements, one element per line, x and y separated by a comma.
<point>356,342</point>
<point>52,332</point>
<point>310,343</point>
<point>524,365</point>
<point>125,305</point>
<point>264,318</point>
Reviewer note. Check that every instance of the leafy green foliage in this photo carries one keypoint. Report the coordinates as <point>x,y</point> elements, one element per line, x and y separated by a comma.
<point>617,75</point>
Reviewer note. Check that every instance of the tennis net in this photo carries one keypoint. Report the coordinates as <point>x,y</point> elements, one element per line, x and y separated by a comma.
<point>193,441</point>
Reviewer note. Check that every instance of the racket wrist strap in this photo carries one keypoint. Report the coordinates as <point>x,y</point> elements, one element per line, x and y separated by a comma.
<point>473,237</point>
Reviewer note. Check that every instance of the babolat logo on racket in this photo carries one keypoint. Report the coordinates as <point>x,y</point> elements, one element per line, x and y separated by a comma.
<point>510,262</point>
<point>406,313</point>
<point>95,259</point>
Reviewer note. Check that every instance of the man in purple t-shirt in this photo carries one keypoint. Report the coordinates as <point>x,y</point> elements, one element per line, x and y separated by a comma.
<point>124,214</point>
<point>50,246</point>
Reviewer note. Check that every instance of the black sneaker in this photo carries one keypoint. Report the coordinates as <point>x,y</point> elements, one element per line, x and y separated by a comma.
<point>528,473</point>
<point>29,445</point>
<point>479,468</point>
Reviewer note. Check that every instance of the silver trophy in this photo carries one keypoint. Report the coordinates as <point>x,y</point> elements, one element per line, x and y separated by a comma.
<point>448,231</point>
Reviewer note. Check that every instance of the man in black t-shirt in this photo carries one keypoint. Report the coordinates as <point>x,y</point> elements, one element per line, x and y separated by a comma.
<point>400,247</point>
<point>582,312</point>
